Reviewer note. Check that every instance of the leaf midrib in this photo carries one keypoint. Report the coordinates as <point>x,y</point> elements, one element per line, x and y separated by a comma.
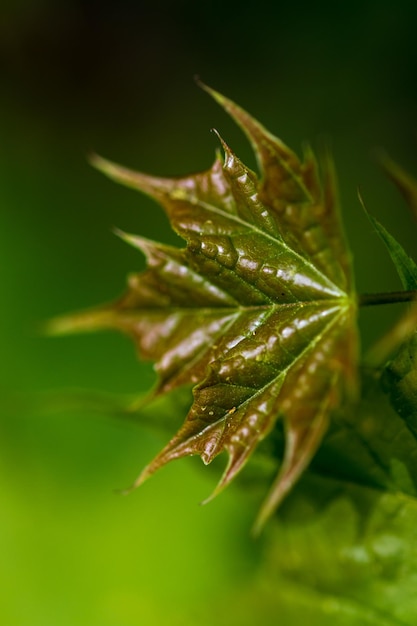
<point>282,373</point>
<point>340,303</point>
<point>253,228</point>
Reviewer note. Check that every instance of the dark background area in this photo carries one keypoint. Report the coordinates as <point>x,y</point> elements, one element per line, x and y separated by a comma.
<point>117,78</point>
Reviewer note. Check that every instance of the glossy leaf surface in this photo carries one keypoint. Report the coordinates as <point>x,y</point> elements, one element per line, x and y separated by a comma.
<point>256,312</point>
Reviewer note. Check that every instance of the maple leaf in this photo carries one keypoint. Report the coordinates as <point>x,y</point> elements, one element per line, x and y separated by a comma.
<point>257,312</point>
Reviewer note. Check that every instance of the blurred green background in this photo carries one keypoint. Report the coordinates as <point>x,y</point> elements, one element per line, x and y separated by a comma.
<point>117,78</point>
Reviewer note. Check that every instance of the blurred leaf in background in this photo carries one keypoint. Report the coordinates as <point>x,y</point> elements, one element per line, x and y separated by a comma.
<point>116,77</point>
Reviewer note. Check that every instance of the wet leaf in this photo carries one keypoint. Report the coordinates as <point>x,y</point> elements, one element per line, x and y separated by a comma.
<point>257,311</point>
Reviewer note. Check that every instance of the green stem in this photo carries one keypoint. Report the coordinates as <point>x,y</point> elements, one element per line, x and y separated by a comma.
<point>392,297</point>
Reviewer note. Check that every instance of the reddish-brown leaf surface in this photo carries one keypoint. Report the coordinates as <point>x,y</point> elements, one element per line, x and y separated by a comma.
<point>257,311</point>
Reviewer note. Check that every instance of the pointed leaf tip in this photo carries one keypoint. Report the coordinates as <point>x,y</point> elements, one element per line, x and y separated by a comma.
<point>140,243</point>
<point>116,172</point>
<point>84,322</point>
<point>141,479</point>
<point>404,264</point>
